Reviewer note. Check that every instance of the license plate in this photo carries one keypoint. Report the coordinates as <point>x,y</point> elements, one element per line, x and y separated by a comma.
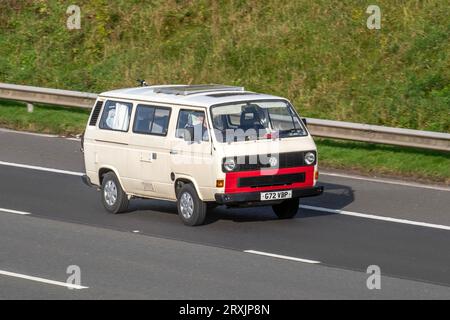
<point>277,195</point>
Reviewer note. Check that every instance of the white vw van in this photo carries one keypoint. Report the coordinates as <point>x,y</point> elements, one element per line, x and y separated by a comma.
<point>201,146</point>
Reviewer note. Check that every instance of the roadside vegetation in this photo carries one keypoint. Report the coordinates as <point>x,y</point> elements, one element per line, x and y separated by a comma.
<point>375,160</point>
<point>44,119</point>
<point>317,53</point>
<point>363,158</point>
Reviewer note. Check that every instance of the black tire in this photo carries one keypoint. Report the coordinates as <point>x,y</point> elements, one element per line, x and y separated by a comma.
<point>121,200</point>
<point>287,209</point>
<point>188,198</point>
<point>211,206</point>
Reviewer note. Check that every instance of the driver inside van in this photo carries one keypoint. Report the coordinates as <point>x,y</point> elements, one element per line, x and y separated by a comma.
<point>198,122</point>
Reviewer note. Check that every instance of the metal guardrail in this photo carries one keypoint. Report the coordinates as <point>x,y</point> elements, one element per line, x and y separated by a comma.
<point>379,134</point>
<point>317,127</point>
<point>47,96</point>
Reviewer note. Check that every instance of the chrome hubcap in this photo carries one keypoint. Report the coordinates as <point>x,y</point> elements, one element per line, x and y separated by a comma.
<point>186,205</point>
<point>110,193</point>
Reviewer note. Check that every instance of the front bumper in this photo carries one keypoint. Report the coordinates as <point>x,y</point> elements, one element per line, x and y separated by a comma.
<point>255,197</point>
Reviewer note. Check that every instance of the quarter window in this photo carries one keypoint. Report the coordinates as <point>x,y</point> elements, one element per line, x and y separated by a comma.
<point>116,116</point>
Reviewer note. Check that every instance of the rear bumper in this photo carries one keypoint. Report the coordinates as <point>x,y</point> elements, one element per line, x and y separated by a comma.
<point>255,197</point>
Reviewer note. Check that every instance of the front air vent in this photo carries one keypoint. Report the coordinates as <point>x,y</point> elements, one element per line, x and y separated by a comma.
<point>96,113</point>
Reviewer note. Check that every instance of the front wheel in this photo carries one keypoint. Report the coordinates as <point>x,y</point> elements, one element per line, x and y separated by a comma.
<point>191,209</point>
<point>287,209</point>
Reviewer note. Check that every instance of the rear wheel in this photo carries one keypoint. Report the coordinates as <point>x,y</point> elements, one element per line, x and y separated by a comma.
<point>191,209</point>
<point>114,199</point>
<point>287,209</point>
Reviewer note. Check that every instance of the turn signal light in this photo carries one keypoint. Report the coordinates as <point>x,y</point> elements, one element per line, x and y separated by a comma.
<point>220,183</point>
<point>316,175</point>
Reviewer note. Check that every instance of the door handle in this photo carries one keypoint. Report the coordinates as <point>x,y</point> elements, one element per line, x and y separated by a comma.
<point>173,152</point>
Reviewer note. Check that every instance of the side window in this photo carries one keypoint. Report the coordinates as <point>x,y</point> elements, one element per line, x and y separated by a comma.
<point>192,119</point>
<point>144,119</point>
<point>116,116</point>
<point>151,120</point>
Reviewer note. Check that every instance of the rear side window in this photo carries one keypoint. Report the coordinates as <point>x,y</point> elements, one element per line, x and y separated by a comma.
<point>151,120</point>
<point>116,116</point>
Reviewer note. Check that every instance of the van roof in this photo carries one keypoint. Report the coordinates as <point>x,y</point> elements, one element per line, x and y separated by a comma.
<point>194,95</point>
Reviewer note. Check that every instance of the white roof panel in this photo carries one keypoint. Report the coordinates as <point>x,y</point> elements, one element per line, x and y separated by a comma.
<point>202,96</point>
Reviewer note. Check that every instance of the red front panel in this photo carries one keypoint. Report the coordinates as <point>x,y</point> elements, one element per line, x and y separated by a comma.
<point>232,179</point>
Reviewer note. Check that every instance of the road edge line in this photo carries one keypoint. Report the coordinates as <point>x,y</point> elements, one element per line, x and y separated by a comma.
<point>26,166</point>
<point>375,217</point>
<point>278,256</point>
<point>42,280</point>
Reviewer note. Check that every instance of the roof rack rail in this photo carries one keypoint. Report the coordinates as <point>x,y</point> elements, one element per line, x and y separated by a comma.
<point>194,89</point>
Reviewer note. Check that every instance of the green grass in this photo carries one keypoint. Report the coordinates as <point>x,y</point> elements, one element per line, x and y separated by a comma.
<point>361,157</point>
<point>44,119</point>
<point>318,53</point>
<point>375,159</point>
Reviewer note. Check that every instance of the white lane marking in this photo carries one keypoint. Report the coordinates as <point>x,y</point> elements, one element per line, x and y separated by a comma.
<point>386,181</point>
<point>43,135</point>
<point>42,280</point>
<point>25,166</point>
<point>281,256</point>
<point>374,217</point>
<point>14,211</point>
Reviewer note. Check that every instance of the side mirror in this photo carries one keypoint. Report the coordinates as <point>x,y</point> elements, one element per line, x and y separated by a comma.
<point>189,134</point>
<point>305,122</point>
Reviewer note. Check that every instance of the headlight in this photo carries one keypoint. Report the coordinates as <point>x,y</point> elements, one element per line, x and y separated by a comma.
<point>310,157</point>
<point>229,164</point>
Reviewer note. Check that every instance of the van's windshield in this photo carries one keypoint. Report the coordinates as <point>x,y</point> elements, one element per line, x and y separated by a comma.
<point>255,120</point>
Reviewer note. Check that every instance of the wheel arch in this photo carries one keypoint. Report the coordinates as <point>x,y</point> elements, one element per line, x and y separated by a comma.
<point>183,179</point>
<point>104,170</point>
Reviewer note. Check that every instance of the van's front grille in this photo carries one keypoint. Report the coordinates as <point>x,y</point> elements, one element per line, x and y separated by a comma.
<point>257,162</point>
<point>275,180</point>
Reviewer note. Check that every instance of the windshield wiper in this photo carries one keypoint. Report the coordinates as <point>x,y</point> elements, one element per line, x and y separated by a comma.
<point>292,131</point>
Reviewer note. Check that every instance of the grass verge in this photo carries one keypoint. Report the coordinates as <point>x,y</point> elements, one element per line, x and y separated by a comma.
<point>376,159</point>
<point>364,158</point>
<point>44,119</point>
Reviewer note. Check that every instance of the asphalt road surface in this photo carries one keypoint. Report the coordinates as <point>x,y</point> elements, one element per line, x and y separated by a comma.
<point>49,221</point>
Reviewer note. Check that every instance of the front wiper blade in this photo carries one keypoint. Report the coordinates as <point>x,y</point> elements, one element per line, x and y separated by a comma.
<point>293,131</point>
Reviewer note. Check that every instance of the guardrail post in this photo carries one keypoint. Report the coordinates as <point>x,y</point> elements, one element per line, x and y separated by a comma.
<point>30,107</point>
